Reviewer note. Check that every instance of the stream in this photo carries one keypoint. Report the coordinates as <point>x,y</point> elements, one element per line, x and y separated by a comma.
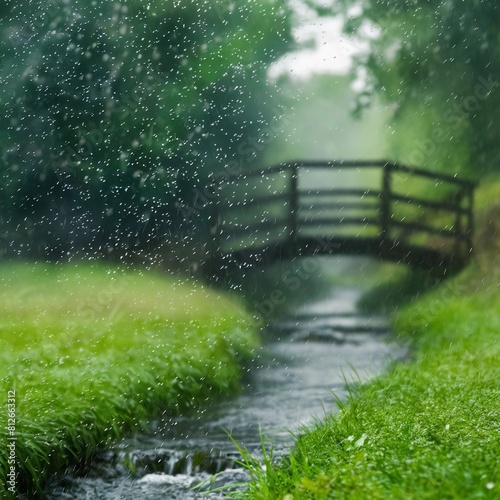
<point>306,358</point>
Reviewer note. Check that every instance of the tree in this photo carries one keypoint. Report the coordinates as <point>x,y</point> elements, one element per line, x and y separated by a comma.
<point>436,64</point>
<point>113,112</point>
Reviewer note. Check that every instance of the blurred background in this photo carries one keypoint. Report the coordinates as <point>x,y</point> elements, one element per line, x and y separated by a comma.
<point>115,114</point>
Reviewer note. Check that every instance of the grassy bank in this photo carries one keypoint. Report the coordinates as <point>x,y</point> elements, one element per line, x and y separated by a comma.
<point>430,427</point>
<point>92,351</point>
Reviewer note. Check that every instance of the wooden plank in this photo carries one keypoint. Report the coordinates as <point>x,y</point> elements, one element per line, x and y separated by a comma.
<point>340,206</point>
<point>418,227</point>
<point>338,221</point>
<point>258,200</point>
<point>294,206</point>
<point>254,217</point>
<point>470,218</point>
<point>338,163</point>
<point>261,172</point>
<point>282,167</point>
<point>397,167</point>
<point>215,220</point>
<point>394,166</point>
<point>416,256</point>
<point>458,221</point>
<point>236,229</point>
<point>385,207</point>
<point>429,204</point>
<point>238,244</point>
<point>341,192</point>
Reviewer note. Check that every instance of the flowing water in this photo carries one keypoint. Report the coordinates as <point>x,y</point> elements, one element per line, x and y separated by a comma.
<point>307,357</point>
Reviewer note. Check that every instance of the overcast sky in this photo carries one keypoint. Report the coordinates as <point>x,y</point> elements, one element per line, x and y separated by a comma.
<point>330,50</point>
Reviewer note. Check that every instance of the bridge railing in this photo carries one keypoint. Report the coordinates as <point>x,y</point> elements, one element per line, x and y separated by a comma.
<point>279,205</point>
<point>447,218</point>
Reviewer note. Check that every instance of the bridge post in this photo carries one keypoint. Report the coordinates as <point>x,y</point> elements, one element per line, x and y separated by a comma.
<point>385,205</point>
<point>294,209</point>
<point>215,215</point>
<point>213,266</point>
<point>470,217</point>
<point>463,235</point>
<point>460,234</point>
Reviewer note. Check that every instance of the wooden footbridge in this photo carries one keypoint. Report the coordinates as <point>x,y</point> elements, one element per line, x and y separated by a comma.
<point>374,208</point>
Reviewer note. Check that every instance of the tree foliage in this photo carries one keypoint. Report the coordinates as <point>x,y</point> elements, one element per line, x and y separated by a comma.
<point>112,112</point>
<point>436,62</point>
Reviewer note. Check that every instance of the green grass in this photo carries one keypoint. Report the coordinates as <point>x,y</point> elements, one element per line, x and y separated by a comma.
<point>427,429</point>
<point>430,428</point>
<point>92,352</point>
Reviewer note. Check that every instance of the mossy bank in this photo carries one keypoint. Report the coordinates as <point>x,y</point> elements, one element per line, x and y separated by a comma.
<point>91,352</point>
<point>429,427</point>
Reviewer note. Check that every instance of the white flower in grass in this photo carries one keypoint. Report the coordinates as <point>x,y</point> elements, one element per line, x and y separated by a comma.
<point>360,442</point>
